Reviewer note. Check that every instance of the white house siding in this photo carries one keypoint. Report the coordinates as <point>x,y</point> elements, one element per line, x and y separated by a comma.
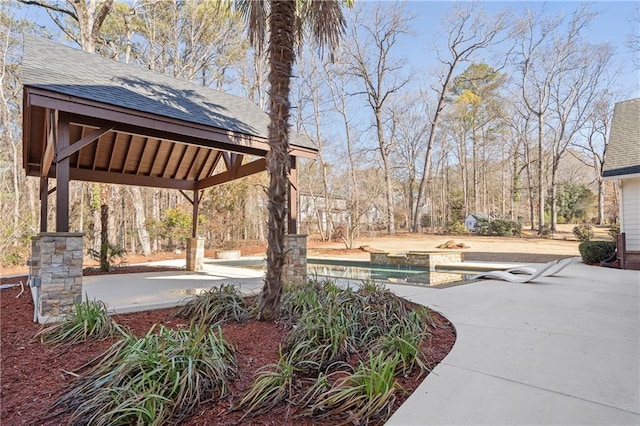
<point>630,223</point>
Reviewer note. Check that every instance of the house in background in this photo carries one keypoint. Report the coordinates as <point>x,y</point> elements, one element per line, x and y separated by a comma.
<point>623,163</point>
<point>471,221</point>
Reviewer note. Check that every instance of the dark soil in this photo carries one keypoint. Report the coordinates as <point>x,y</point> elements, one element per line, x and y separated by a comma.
<point>33,376</point>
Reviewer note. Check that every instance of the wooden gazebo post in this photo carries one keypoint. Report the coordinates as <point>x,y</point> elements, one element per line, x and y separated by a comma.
<point>195,245</point>
<point>56,257</point>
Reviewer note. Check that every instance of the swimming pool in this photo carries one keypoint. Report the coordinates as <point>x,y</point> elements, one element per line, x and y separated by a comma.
<point>364,270</point>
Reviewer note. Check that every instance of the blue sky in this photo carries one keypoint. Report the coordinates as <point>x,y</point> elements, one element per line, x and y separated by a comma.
<point>613,24</point>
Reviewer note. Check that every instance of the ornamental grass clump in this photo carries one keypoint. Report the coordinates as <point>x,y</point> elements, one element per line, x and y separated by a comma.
<point>365,396</point>
<point>330,327</point>
<point>160,378</point>
<point>216,306</point>
<point>87,320</point>
<point>298,299</point>
<point>323,336</point>
<point>405,340</point>
<point>272,385</point>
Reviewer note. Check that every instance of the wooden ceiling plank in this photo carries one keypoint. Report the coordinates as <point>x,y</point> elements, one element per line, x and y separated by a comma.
<point>127,156</point>
<point>142,156</point>
<point>83,133</point>
<point>214,164</point>
<point>193,163</point>
<point>165,169</point>
<point>179,163</point>
<point>208,155</point>
<point>254,167</point>
<point>114,145</point>
<point>154,159</point>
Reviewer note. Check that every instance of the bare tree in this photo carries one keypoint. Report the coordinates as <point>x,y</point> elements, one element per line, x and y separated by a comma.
<point>593,144</point>
<point>469,31</point>
<point>572,95</point>
<point>633,39</point>
<point>337,79</point>
<point>406,115</point>
<point>88,15</point>
<point>373,41</point>
<point>10,100</point>
<point>559,75</point>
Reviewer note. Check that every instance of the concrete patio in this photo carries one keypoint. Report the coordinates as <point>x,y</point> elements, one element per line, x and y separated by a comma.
<point>561,350</point>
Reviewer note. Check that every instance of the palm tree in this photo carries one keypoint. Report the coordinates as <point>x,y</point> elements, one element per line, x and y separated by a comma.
<point>286,22</point>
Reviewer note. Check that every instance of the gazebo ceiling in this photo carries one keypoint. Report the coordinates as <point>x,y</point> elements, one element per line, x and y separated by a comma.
<point>126,125</point>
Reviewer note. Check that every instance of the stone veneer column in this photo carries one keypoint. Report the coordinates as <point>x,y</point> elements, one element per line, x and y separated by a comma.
<point>195,254</point>
<point>56,266</point>
<point>295,264</point>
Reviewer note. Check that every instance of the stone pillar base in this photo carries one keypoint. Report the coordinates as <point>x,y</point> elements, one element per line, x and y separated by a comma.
<point>195,254</point>
<point>56,273</point>
<point>295,264</point>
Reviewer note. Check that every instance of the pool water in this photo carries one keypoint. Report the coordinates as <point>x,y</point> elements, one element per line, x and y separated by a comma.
<point>403,275</point>
<point>362,270</point>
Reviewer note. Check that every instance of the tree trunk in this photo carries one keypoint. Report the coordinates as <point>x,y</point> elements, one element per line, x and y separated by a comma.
<point>281,58</point>
<point>476,177</point>
<point>600,202</point>
<point>140,220</point>
<point>104,237</point>
<point>554,196</point>
<point>540,177</point>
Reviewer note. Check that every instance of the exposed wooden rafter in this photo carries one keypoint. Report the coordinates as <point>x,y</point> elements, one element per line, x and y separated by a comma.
<point>244,170</point>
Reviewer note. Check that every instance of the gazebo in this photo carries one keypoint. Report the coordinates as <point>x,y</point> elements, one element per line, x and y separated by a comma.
<point>89,118</point>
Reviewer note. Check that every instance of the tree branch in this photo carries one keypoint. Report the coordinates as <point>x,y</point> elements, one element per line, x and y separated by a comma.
<point>49,7</point>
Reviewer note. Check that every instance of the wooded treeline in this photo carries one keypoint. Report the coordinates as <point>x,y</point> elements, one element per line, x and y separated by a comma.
<point>511,121</point>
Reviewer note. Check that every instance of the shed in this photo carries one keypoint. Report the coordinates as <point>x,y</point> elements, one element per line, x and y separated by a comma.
<point>471,221</point>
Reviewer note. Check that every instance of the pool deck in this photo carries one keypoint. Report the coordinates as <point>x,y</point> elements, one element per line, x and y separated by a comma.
<point>561,350</point>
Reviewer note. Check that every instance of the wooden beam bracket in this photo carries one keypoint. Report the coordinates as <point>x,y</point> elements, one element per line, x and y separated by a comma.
<point>77,146</point>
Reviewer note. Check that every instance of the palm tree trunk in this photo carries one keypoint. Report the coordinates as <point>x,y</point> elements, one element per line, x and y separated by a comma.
<point>281,58</point>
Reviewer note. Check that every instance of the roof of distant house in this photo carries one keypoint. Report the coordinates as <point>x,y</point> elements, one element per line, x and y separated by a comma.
<point>623,151</point>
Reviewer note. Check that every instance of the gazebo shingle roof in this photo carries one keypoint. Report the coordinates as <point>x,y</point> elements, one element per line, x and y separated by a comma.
<point>57,68</point>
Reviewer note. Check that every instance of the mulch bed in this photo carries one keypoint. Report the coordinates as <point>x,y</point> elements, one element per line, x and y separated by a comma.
<point>33,376</point>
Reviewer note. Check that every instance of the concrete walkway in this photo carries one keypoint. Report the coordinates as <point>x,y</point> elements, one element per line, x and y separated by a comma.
<point>125,293</point>
<point>561,350</point>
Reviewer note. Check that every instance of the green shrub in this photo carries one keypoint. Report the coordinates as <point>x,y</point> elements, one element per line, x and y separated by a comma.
<point>596,251</point>
<point>583,232</point>
<point>505,228</point>
<point>13,256</point>
<point>482,226</point>
<point>499,227</point>
<point>113,255</point>
<point>456,227</point>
